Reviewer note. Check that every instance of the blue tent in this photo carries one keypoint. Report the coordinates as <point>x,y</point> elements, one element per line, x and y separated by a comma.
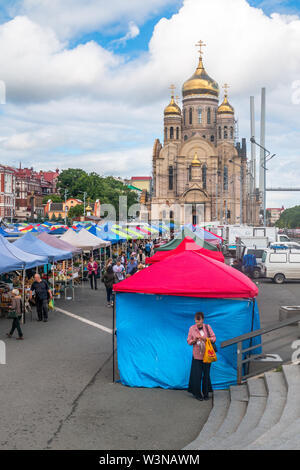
<point>8,234</point>
<point>156,307</point>
<point>8,262</point>
<point>31,244</point>
<point>29,260</point>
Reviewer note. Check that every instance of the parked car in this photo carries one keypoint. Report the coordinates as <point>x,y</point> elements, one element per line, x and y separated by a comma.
<point>285,245</point>
<point>280,265</point>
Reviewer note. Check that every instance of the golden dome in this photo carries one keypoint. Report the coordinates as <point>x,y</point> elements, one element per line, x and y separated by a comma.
<point>172,108</point>
<point>196,162</point>
<point>225,107</point>
<point>200,83</point>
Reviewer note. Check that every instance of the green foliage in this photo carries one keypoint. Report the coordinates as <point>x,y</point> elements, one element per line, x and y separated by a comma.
<point>107,189</point>
<point>76,211</point>
<point>290,218</point>
<point>53,197</point>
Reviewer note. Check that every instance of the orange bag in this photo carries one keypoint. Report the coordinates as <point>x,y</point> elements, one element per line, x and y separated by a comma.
<point>209,355</point>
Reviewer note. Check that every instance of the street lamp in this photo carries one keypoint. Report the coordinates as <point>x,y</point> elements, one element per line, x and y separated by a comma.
<point>266,159</point>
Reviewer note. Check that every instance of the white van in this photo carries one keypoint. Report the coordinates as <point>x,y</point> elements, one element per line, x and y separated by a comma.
<point>280,265</point>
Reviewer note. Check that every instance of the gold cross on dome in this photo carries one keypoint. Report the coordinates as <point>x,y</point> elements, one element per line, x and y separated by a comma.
<point>200,44</point>
<point>172,88</point>
<point>226,87</point>
<point>177,99</point>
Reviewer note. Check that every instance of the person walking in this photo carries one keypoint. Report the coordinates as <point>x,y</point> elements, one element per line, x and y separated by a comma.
<point>199,382</point>
<point>16,314</point>
<point>42,293</point>
<point>109,279</point>
<point>119,271</point>
<point>92,268</point>
<point>141,258</point>
<point>132,266</point>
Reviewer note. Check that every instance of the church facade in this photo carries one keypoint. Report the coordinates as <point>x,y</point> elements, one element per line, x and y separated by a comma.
<point>200,172</point>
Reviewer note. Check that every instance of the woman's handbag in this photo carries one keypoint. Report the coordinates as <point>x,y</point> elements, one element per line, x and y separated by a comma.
<point>12,315</point>
<point>213,344</point>
<point>209,355</point>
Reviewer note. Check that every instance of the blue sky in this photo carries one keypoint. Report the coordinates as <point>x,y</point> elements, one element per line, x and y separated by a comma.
<point>83,89</point>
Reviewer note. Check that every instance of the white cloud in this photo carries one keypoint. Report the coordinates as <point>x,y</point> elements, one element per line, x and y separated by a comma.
<point>132,33</point>
<point>88,98</point>
<point>70,18</point>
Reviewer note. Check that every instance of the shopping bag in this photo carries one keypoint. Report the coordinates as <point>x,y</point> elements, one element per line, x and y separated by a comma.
<point>51,305</point>
<point>209,355</point>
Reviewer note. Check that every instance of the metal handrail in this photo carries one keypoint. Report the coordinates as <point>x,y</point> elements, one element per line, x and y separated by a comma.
<point>238,340</point>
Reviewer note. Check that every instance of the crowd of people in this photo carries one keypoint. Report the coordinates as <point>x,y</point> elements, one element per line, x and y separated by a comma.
<point>123,264</point>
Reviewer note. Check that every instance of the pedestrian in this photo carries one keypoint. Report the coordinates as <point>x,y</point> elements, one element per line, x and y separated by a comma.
<point>16,314</point>
<point>119,271</point>
<point>109,279</point>
<point>42,294</point>
<point>132,266</point>
<point>199,382</point>
<point>141,258</point>
<point>93,269</point>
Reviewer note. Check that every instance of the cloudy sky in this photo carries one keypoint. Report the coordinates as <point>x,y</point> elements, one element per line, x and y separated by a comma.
<point>87,80</point>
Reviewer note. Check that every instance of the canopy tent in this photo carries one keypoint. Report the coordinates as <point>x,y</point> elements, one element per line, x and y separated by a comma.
<point>5,233</point>
<point>105,233</point>
<point>32,244</point>
<point>205,234</point>
<point>58,243</point>
<point>175,242</point>
<point>152,331</point>
<point>187,244</point>
<point>84,240</point>
<point>8,262</point>
<point>29,260</point>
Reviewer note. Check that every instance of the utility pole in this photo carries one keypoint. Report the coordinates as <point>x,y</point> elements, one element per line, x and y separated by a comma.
<point>262,175</point>
<point>66,208</point>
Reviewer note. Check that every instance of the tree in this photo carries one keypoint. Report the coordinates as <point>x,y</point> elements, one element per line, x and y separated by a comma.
<point>76,211</point>
<point>290,218</point>
<point>107,189</point>
<point>53,197</point>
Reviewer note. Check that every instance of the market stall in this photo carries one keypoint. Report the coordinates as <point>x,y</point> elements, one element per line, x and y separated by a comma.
<point>155,309</point>
<point>187,244</point>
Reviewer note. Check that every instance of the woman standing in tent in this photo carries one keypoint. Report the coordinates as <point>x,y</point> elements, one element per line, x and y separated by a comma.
<point>199,376</point>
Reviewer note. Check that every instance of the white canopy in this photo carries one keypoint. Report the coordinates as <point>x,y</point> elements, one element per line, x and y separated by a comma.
<point>84,240</point>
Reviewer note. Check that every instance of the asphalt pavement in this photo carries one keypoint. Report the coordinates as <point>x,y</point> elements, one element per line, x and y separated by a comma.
<point>57,392</point>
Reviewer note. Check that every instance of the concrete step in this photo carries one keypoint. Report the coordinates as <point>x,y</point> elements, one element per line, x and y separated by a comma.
<point>235,414</point>
<point>274,436</point>
<point>276,389</point>
<point>257,400</point>
<point>221,402</point>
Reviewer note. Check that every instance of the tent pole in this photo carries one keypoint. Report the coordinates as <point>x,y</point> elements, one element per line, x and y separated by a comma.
<point>82,269</point>
<point>23,298</point>
<point>113,336</point>
<point>53,290</point>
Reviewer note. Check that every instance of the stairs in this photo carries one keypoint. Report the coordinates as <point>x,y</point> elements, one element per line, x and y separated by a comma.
<point>262,414</point>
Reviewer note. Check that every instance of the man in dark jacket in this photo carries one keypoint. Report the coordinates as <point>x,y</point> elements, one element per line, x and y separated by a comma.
<point>42,295</point>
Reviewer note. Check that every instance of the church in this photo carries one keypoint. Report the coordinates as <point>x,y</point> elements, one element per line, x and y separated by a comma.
<point>200,171</point>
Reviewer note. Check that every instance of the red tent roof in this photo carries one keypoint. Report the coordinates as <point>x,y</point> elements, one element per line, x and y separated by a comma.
<point>190,274</point>
<point>187,244</point>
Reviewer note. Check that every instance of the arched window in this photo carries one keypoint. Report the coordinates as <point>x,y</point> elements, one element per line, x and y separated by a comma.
<point>220,133</point>
<point>190,173</point>
<point>166,133</point>
<point>204,137</point>
<point>171,177</point>
<point>216,113</point>
<point>231,132</point>
<point>225,178</point>
<point>185,137</point>
<point>200,115</point>
<point>208,116</point>
<point>171,215</point>
<point>191,116</point>
<point>204,175</point>
<point>171,133</point>
<point>177,133</point>
<point>184,116</point>
<point>225,132</point>
<point>212,138</point>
